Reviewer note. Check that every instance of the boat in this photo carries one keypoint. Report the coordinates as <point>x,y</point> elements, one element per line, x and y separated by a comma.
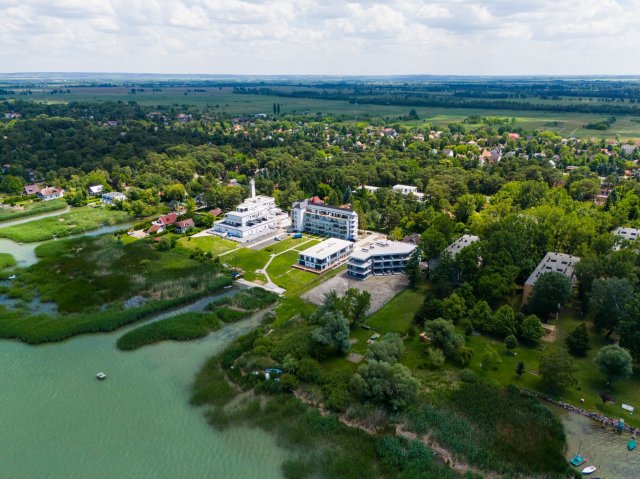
<point>577,460</point>
<point>101,376</point>
<point>631,445</point>
<point>589,470</point>
<point>13,276</point>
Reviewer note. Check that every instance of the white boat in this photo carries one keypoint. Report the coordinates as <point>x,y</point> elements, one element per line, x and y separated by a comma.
<point>589,470</point>
<point>101,376</point>
<point>13,276</point>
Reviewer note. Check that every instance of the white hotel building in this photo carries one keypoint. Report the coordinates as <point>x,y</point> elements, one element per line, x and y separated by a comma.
<point>255,217</point>
<point>380,258</point>
<point>328,254</point>
<point>314,217</point>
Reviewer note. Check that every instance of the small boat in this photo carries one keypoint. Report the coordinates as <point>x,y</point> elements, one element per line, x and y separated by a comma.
<point>577,460</point>
<point>228,286</point>
<point>101,376</point>
<point>589,470</point>
<point>631,445</point>
<point>13,276</point>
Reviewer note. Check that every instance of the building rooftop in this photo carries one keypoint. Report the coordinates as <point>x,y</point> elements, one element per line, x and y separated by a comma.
<point>327,248</point>
<point>380,248</point>
<point>461,243</point>
<point>554,263</point>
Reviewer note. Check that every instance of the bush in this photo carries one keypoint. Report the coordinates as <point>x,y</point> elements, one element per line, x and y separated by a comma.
<point>435,358</point>
<point>511,342</point>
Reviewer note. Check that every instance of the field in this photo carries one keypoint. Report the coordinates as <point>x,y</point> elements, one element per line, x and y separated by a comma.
<point>213,244</point>
<point>223,100</point>
<point>76,222</point>
<point>32,209</point>
<point>7,260</point>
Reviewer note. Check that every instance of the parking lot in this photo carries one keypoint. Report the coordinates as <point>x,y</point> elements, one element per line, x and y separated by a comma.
<point>382,288</point>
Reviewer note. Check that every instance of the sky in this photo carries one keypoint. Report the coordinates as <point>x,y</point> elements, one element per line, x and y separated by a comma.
<point>322,37</point>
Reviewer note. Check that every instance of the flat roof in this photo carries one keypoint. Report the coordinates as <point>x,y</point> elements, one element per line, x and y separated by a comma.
<point>327,248</point>
<point>627,233</point>
<point>554,263</point>
<point>383,248</point>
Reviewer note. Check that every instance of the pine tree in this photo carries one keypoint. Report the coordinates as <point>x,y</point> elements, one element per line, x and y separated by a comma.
<point>520,369</point>
<point>275,109</point>
<point>278,108</point>
<point>578,341</point>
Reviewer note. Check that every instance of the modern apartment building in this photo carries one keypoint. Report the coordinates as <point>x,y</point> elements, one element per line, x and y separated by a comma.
<point>551,263</point>
<point>314,217</point>
<point>330,253</point>
<point>380,258</point>
<point>461,243</point>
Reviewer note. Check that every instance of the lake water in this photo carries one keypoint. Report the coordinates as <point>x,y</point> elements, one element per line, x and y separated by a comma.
<point>602,448</point>
<point>58,421</point>
<point>25,253</point>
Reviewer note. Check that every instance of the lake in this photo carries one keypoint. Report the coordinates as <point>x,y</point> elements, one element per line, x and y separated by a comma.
<point>58,421</point>
<point>602,448</point>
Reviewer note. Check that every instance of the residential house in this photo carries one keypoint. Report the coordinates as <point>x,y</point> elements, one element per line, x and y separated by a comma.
<point>111,197</point>
<point>29,190</point>
<point>407,189</point>
<point>448,153</point>
<point>95,190</point>
<point>51,193</point>
<point>184,225</point>
<point>628,149</point>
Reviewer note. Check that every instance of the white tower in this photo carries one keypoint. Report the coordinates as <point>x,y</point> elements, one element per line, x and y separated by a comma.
<point>252,183</point>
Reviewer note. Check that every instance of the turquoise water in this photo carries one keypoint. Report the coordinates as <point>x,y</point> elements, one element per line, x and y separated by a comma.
<point>58,421</point>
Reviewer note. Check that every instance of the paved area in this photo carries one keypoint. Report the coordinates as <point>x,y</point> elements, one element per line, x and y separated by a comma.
<point>382,288</point>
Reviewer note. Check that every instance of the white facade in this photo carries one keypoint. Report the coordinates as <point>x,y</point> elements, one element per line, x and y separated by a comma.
<point>112,197</point>
<point>408,189</point>
<point>324,220</point>
<point>48,194</point>
<point>629,234</point>
<point>255,217</point>
<point>325,255</point>
<point>461,243</point>
<point>380,258</point>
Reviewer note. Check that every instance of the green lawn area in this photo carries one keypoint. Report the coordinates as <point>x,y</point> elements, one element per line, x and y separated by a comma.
<point>397,315</point>
<point>214,244</point>
<point>299,243</point>
<point>31,209</point>
<point>249,260</point>
<point>75,222</point>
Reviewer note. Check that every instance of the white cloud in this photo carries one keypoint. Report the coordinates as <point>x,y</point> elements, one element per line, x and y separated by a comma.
<point>321,36</point>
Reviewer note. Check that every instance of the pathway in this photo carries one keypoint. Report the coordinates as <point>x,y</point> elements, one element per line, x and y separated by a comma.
<point>270,285</point>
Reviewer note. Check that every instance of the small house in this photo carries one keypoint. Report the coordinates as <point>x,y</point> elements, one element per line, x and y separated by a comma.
<point>113,196</point>
<point>48,194</point>
<point>184,225</point>
<point>29,190</point>
<point>95,190</point>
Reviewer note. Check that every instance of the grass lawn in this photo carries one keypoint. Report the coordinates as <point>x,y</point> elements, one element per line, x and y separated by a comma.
<point>32,209</point>
<point>397,315</point>
<point>249,260</point>
<point>214,244</point>
<point>298,243</point>
<point>75,222</point>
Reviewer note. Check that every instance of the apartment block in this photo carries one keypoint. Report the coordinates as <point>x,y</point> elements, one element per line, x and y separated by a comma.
<point>380,258</point>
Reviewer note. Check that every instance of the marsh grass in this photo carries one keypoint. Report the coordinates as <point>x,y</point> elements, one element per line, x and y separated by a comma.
<point>7,214</point>
<point>72,223</point>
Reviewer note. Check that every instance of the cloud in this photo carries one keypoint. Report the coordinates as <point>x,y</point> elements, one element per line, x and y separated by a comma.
<point>321,36</point>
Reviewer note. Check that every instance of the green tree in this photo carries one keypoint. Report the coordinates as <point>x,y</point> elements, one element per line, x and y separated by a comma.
<point>490,358</point>
<point>481,316</point>
<point>550,291</point>
<point>504,323</point>
<point>386,384</point>
<point>11,184</point>
<point>333,331</point>
<point>354,305</point>
<point>190,206</point>
<point>453,308</point>
<point>531,329</point>
<point>443,336</point>
<point>609,297</point>
<point>520,368</point>
<point>578,341</point>
<point>630,328</point>
<point>412,269</point>
<point>175,192</point>
<point>557,370</point>
<point>388,349</point>
<point>433,243</point>
<point>511,342</point>
<point>614,362</point>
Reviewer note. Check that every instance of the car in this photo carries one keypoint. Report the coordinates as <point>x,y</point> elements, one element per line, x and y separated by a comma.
<point>276,238</point>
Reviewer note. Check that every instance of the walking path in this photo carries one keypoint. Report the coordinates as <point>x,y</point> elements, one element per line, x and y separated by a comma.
<point>270,285</point>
